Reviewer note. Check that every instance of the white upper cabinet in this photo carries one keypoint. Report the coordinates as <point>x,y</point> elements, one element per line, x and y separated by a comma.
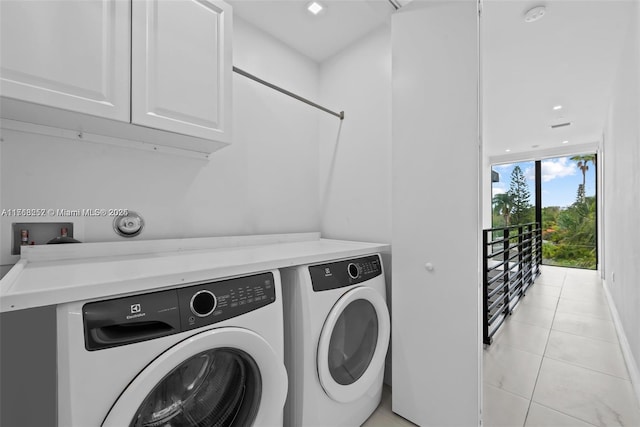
<point>163,65</point>
<point>181,67</point>
<point>72,55</point>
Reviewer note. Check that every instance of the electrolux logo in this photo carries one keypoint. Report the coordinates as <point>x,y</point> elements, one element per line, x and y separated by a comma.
<point>136,311</point>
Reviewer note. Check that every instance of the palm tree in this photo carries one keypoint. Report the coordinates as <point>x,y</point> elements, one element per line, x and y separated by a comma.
<point>503,204</point>
<point>583,160</point>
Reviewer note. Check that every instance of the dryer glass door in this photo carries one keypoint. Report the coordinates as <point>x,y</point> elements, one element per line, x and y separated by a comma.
<point>353,344</point>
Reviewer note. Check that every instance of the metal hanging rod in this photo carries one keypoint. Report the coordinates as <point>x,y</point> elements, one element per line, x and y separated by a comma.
<point>396,5</point>
<point>286,92</point>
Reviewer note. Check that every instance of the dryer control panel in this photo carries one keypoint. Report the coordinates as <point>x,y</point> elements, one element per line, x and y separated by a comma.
<point>122,321</point>
<point>344,273</point>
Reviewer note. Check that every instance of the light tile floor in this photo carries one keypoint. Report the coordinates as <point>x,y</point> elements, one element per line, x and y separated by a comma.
<point>556,362</point>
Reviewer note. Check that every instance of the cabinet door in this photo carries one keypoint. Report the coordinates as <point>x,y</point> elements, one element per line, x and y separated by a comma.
<point>181,67</point>
<point>69,54</point>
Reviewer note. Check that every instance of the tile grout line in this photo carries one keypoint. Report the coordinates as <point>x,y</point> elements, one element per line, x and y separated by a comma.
<point>549,329</point>
<point>600,340</point>
<point>587,368</point>
<point>583,336</point>
<point>543,353</point>
<point>567,415</point>
<point>568,363</point>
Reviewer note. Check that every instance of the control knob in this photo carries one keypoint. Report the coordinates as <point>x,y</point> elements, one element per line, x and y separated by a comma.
<point>353,270</point>
<point>203,303</point>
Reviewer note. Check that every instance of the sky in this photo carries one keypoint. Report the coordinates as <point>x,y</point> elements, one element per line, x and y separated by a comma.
<point>560,180</point>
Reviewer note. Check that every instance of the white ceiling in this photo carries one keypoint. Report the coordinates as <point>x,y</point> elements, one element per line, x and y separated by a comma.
<point>568,58</point>
<point>318,37</point>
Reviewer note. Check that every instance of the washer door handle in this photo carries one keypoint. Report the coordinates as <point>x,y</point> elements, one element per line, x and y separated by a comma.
<point>118,334</point>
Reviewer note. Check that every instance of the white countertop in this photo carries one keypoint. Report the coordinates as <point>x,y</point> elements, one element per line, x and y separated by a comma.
<point>40,280</point>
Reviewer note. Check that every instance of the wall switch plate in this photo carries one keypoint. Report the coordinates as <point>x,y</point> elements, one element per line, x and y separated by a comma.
<point>39,233</point>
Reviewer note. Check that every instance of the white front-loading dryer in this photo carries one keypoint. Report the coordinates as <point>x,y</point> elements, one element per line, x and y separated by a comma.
<point>202,354</point>
<point>337,332</point>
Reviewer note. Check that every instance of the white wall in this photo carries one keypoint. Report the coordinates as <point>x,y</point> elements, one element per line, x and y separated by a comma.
<point>621,180</point>
<point>436,214</point>
<point>486,203</point>
<point>355,154</point>
<point>265,182</point>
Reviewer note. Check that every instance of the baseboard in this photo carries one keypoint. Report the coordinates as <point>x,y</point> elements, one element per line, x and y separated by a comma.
<point>632,366</point>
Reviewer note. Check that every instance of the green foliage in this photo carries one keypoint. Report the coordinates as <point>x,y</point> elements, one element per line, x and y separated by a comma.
<point>569,236</point>
<point>549,221</point>
<point>522,210</point>
<point>583,164</point>
<point>568,256</point>
<point>502,206</point>
<point>580,194</point>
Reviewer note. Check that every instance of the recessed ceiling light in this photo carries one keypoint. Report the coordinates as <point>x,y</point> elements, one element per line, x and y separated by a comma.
<point>315,7</point>
<point>534,14</point>
<point>565,142</point>
<point>507,150</point>
<point>557,107</point>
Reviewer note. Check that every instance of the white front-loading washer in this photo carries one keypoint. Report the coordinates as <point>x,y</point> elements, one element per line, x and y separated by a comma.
<point>201,354</point>
<point>337,332</point>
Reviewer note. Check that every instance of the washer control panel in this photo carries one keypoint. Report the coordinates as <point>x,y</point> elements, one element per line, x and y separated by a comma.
<point>127,320</point>
<point>344,273</point>
<point>203,303</point>
<point>213,302</point>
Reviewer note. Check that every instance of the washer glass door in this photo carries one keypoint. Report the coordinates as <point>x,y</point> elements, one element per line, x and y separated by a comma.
<point>353,344</point>
<point>218,387</point>
<point>221,377</point>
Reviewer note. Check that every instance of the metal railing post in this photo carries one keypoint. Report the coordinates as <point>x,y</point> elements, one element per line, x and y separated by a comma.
<point>500,286</point>
<point>520,291</point>
<point>532,241</point>
<point>525,265</point>
<point>507,275</point>
<point>485,287</point>
<point>539,243</point>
